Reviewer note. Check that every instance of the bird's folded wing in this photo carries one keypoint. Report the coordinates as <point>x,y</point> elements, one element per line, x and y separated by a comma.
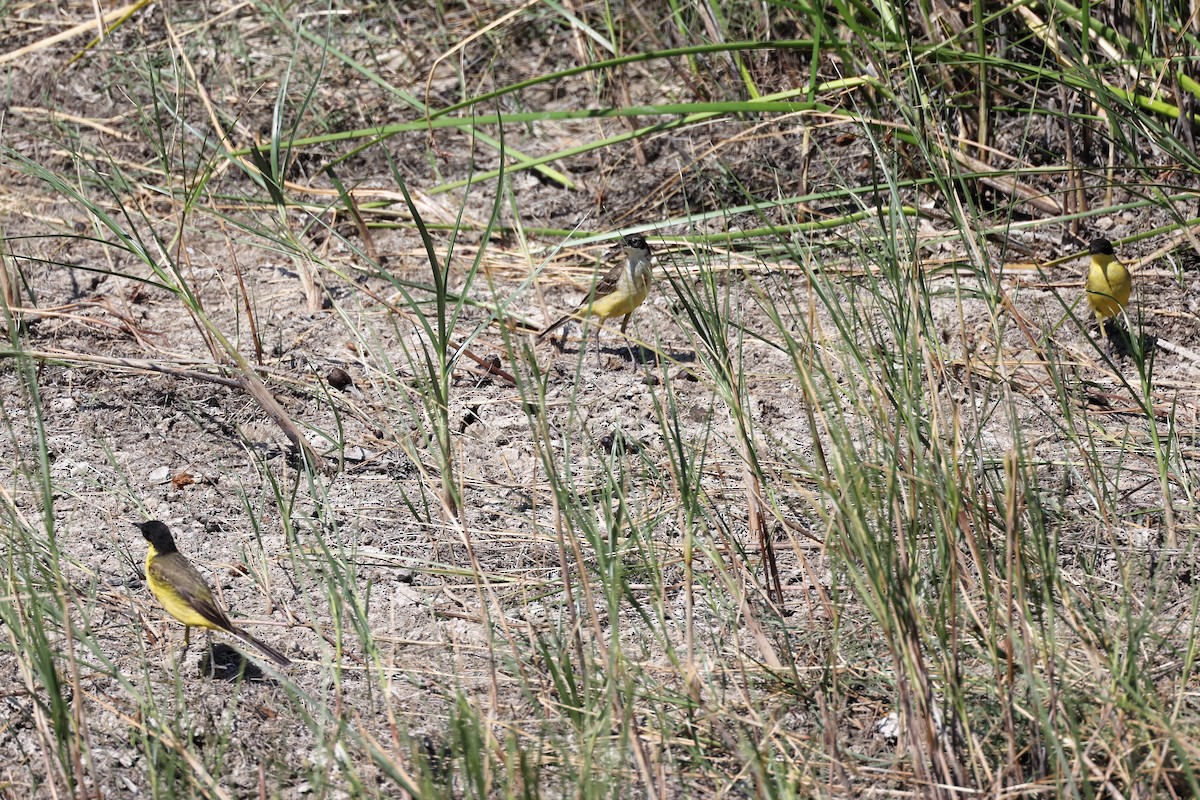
<point>192,590</point>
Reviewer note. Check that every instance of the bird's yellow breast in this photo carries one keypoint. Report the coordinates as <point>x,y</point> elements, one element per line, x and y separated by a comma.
<point>1108,285</point>
<point>631,291</point>
<point>180,589</point>
<point>623,301</point>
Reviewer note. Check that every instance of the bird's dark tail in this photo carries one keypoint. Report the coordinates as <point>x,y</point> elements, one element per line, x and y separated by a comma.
<point>266,649</point>
<point>552,327</point>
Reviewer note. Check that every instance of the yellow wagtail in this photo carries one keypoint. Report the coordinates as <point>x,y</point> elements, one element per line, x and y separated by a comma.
<point>184,593</point>
<point>619,292</point>
<point>1108,282</point>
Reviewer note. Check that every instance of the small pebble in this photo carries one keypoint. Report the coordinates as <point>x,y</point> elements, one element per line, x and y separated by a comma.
<point>339,379</point>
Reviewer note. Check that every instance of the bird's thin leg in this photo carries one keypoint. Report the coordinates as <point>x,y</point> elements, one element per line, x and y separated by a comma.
<point>629,344</point>
<point>1111,346</point>
<point>212,661</point>
<point>598,364</point>
<point>187,641</point>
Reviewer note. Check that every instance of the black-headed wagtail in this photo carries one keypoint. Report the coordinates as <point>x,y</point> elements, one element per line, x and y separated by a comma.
<point>184,593</point>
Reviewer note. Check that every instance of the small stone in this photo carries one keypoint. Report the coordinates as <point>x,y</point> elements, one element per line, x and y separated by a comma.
<point>888,727</point>
<point>339,379</point>
<point>355,454</point>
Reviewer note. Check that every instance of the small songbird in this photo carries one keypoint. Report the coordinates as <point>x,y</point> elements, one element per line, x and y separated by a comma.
<point>184,593</point>
<point>619,292</point>
<point>1108,282</point>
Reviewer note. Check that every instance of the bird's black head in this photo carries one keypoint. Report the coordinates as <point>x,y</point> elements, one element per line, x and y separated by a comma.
<point>636,243</point>
<point>1101,247</point>
<point>158,535</point>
